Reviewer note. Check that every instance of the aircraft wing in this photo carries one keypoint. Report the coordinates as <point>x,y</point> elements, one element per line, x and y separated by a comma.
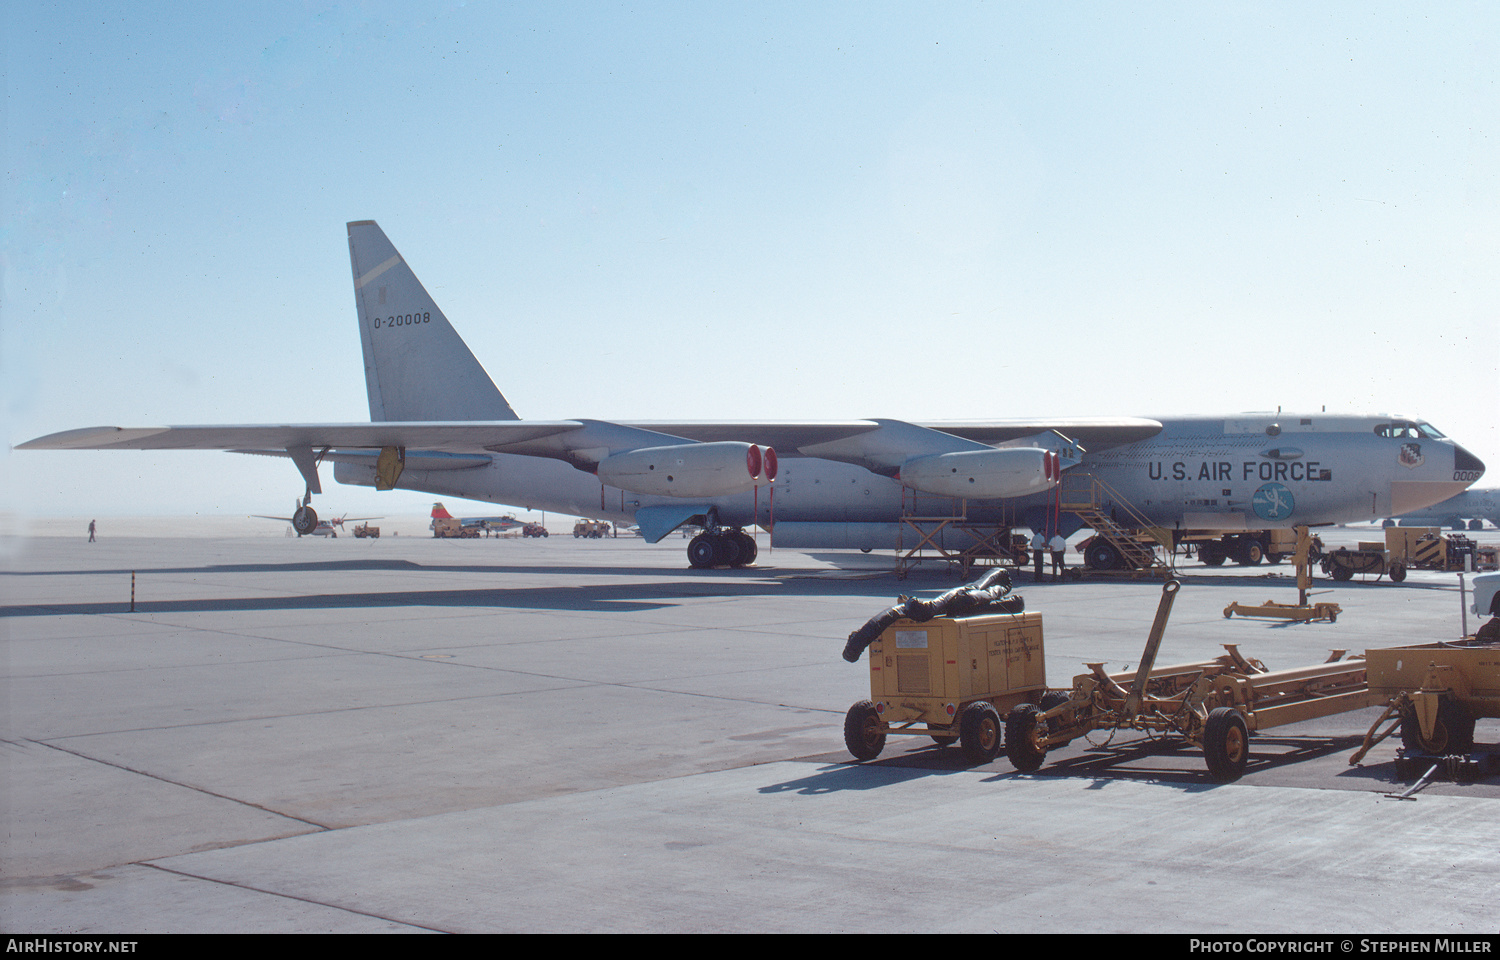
<point>791,438</point>
<point>879,446</point>
<point>876,443</point>
<point>454,437</point>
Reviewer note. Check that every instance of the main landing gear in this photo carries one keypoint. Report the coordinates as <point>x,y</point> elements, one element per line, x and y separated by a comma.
<point>305,518</point>
<point>721,547</point>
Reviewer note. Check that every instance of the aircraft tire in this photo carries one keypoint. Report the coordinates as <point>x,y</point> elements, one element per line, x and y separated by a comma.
<point>980,732</point>
<point>1226,744</point>
<point>748,550</point>
<point>726,551</point>
<point>701,552</point>
<point>864,731</point>
<point>1102,555</point>
<point>304,520</point>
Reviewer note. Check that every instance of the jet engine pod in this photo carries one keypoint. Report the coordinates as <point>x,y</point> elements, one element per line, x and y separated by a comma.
<point>690,469</point>
<point>982,474</point>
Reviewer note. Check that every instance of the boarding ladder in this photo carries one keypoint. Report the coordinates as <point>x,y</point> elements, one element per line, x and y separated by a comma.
<point>1123,527</point>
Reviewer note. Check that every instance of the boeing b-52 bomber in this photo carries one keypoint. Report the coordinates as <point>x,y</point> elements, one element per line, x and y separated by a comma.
<point>439,424</point>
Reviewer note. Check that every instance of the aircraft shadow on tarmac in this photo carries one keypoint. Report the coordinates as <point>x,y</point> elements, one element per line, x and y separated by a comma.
<point>574,592</point>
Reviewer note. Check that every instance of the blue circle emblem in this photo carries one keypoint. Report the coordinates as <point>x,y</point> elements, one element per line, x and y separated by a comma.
<point>1273,501</point>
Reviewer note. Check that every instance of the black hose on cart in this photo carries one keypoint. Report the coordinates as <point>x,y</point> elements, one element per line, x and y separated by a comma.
<point>988,594</point>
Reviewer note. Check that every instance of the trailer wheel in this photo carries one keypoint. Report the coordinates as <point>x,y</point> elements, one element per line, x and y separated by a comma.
<point>1054,698</point>
<point>1025,738</point>
<point>1397,573</point>
<point>864,731</point>
<point>1226,744</point>
<point>1341,572</point>
<point>1453,733</point>
<point>980,732</point>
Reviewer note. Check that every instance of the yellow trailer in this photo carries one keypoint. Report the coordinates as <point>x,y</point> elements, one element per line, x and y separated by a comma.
<point>1435,691</point>
<point>950,678</point>
<point>1216,704</point>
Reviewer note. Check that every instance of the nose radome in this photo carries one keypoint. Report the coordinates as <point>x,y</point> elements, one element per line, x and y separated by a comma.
<point>1466,466</point>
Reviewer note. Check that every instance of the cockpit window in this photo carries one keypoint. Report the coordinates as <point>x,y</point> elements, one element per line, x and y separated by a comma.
<point>1406,430</point>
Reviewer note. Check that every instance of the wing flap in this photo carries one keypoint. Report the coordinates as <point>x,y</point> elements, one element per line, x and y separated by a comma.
<point>415,459</point>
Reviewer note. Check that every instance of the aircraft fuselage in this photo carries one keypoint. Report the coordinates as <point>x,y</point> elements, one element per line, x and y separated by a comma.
<point>1242,472</point>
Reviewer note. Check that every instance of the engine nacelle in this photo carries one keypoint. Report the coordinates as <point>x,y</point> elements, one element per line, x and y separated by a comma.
<point>983,474</point>
<point>691,469</point>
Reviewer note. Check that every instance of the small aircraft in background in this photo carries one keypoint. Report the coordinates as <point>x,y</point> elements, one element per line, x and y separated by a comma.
<point>319,528</point>
<point>476,524</point>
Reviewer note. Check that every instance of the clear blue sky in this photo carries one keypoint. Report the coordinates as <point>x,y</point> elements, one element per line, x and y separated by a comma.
<point>801,210</point>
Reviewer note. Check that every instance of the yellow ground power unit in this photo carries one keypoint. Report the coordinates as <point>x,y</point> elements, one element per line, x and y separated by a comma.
<point>950,678</point>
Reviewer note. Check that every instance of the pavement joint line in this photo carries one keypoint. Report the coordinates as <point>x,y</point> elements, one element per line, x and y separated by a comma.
<point>176,783</point>
<point>288,896</point>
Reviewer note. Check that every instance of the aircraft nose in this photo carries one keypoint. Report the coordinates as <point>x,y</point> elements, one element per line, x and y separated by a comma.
<point>1466,466</point>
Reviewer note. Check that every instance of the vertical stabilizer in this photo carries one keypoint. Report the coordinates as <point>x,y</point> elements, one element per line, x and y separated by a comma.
<point>416,365</point>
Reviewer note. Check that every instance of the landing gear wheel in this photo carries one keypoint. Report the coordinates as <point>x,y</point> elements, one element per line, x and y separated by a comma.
<point>1453,732</point>
<point>726,550</point>
<point>304,520</point>
<point>864,731</point>
<point>1102,555</point>
<point>701,552</point>
<point>748,550</point>
<point>980,732</point>
<point>1226,744</point>
<point>1025,738</point>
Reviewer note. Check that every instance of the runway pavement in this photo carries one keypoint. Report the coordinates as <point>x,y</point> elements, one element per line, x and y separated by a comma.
<point>507,735</point>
